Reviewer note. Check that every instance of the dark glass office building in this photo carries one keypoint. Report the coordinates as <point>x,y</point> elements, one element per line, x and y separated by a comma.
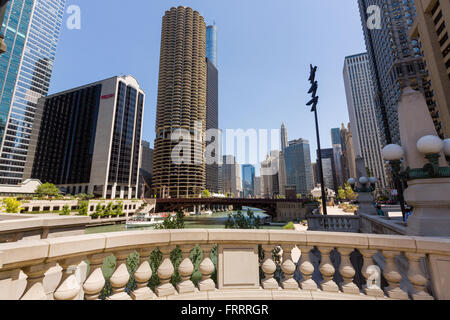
<point>212,122</point>
<point>248,180</point>
<point>88,140</point>
<point>329,172</point>
<point>299,170</point>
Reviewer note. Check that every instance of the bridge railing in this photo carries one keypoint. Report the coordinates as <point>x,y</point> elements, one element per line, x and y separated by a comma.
<point>264,264</point>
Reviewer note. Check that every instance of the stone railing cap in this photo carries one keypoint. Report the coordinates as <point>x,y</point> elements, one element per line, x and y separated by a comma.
<point>136,239</point>
<point>76,245</point>
<point>337,239</point>
<point>278,237</point>
<point>391,242</point>
<point>189,236</point>
<point>433,245</point>
<point>236,236</point>
<point>19,253</point>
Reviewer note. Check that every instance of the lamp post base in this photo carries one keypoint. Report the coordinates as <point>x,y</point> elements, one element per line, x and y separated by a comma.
<point>431,202</point>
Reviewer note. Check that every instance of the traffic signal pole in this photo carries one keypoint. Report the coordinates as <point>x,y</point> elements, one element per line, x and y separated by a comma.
<point>313,103</point>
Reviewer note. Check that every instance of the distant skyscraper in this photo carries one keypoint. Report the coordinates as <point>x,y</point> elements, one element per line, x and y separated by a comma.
<point>31,29</point>
<point>146,169</point>
<point>212,122</point>
<point>211,44</point>
<point>299,170</point>
<point>337,148</point>
<point>270,187</point>
<point>231,180</point>
<point>329,174</point>
<point>348,153</point>
<point>248,180</point>
<point>284,138</point>
<point>90,147</point>
<point>395,62</point>
<point>282,178</point>
<point>181,103</point>
<point>257,187</point>
<point>361,108</point>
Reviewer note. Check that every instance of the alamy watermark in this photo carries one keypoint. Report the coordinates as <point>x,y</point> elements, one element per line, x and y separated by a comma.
<point>73,22</point>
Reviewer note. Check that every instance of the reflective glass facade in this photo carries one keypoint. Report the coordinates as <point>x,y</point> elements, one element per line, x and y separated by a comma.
<point>248,180</point>
<point>32,29</point>
<point>211,44</point>
<point>299,171</point>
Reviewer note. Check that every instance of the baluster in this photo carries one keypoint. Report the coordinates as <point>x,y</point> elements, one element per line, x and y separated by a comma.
<point>120,277</point>
<point>417,277</point>
<point>185,269</point>
<point>327,270</point>
<point>307,269</point>
<point>393,277</point>
<point>206,269</point>
<point>347,271</point>
<point>268,267</point>
<point>35,287</point>
<point>372,274</point>
<point>96,281</point>
<point>69,289</point>
<point>165,272</point>
<point>288,268</point>
<point>142,276</point>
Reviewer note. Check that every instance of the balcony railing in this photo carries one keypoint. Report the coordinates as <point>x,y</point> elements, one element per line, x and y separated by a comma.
<point>311,265</point>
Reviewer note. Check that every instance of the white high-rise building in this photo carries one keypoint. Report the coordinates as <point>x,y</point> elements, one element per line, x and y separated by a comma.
<point>360,92</point>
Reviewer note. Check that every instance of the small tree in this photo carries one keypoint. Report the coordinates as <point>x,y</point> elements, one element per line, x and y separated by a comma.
<point>240,221</point>
<point>349,193</point>
<point>83,208</point>
<point>170,222</point>
<point>65,211</point>
<point>47,190</point>
<point>12,205</point>
<point>206,194</point>
<point>341,194</point>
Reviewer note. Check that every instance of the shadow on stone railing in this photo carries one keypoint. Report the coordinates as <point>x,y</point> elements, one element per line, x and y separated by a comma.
<point>178,264</point>
<point>333,223</point>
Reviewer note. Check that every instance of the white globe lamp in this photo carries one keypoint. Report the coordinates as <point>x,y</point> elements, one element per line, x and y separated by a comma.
<point>351,181</point>
<point>430,145</point>
<point>373,180</point>
<point>393,152</point>
<point>364,180</point>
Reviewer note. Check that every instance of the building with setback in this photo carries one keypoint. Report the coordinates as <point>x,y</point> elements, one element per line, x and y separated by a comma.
<point>88,139</point>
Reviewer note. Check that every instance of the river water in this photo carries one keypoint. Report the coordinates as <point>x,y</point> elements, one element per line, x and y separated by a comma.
<point>214,221</point>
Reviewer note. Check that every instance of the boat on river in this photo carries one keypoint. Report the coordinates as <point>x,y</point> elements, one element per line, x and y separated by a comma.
<point>144,220</point>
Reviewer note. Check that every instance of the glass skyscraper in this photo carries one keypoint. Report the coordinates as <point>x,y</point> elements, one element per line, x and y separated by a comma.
<point>299,171</point>
<point>31,29</point>
<point>211,44</point>
<point>248,180</point>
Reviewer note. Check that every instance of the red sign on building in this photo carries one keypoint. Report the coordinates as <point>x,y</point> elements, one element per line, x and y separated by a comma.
<point>108,96</point>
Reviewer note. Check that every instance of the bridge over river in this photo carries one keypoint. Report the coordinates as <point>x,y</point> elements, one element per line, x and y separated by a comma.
<point>279,209</point>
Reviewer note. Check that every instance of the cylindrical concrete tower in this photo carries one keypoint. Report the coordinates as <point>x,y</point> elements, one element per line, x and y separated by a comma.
<point>181,104</point>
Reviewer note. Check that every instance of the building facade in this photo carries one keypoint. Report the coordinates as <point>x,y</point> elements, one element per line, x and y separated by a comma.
<point>395,63</point>
<point>211,44</point>
<point>329,172</point>
<point>181,105</point>
<point>337,148</point>
<point>362,112</point>
<point>248,181</point>
<point>348,153</point>
<point>270,187</point>
<point>88,139</point>
<point>31,31</point>
<point>231,177</point>
<point>257,187</point>
<point>212,123</point>
<point>146,169</point>
<point>299,171</point>
<point>431,29</point>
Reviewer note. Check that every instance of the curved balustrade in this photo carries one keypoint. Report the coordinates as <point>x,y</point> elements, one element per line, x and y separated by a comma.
<point>313,265</point>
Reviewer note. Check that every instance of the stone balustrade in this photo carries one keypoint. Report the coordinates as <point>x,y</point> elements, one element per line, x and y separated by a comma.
<point>334,223</point>
<point>312,265</point>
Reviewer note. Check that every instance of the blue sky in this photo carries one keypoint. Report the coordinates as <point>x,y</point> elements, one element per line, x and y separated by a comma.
<point>265,48</point>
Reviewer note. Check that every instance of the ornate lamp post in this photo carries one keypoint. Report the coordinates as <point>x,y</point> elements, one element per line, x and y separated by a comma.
<point>365,189</point>
<point>393,154</point>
